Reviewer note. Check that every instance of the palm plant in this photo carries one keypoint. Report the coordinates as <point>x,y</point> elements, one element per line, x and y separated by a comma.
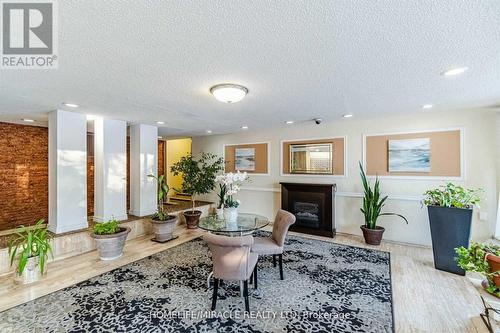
<point>373,202</point>
<point>163,190</point>
<point>30,242</point>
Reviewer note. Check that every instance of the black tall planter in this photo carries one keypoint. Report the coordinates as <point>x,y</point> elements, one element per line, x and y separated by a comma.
<point>450,228</point>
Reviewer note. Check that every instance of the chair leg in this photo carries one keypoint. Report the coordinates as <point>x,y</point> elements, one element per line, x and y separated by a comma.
<point>255,276</point>
<point>245,295</point>
<point>281,266</point>
<point>274,260</point>
<point>214,296</point>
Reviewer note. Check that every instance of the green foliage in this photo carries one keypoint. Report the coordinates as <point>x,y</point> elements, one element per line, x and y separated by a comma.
<point>231,202</point>
<point>473,259</point>
<point>28,243</point>
<point>198,175</point>
<point>372,202</point>
<point>451,195</point>
<point>163,190</point>
<point>107,228</point>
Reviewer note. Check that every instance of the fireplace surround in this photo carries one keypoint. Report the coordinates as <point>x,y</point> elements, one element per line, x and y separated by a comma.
<point>313,206</point>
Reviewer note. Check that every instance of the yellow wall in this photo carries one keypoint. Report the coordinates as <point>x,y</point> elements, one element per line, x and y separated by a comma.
<point>175,150</point>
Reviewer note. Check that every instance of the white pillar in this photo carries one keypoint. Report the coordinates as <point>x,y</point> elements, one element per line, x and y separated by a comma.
<point>110,169</point>
<point>67,171</point>
<point>143,161</point>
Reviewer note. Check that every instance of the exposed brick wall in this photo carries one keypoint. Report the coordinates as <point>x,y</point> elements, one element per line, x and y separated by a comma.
<point>161,157</point>
<point>23,174</point>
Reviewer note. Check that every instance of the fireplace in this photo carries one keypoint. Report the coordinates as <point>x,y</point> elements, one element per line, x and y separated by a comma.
<point>313,207</point>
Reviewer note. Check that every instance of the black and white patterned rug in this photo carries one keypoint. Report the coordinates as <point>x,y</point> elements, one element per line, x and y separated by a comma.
<point>327,288</point>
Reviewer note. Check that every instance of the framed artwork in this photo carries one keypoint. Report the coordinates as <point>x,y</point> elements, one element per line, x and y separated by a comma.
<point>409,155</point>
<point>244,159</point>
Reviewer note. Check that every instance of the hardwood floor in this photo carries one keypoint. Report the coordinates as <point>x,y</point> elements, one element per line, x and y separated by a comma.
<point>425,299</point>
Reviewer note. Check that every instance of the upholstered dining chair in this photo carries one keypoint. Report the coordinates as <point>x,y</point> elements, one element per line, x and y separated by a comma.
<point>232,261</point>
<point>274,245</point>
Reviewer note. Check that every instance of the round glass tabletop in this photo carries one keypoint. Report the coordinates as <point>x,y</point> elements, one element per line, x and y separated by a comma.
<point>245,223</point>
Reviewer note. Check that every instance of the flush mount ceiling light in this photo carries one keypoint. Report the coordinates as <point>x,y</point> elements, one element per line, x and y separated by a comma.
<point>454,71</point>
<point>347,115</point>
<point>28,120</point>
<point>228,92</point>
<point>71,105</point>
<point>427,106</point>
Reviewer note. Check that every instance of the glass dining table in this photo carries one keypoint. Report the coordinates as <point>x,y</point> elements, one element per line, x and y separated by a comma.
<point>245,224</point>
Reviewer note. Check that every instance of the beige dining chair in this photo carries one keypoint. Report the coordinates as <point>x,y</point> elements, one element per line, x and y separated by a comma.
<point>232,261</point>
<point>274,245</point>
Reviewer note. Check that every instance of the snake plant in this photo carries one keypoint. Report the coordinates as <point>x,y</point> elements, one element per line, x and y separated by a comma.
<point>373,202</point>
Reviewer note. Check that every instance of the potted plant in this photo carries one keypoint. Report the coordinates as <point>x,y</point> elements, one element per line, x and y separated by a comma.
<point>484,259</point>
<point>198,177</point>
<point>232,184</point>
<point>450,217</point>
<point>372,210</point>
<point>163,223</point>
<point>110,239</point>
<point>31,246</point>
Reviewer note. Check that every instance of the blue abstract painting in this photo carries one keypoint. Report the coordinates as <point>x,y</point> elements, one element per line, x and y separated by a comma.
<point>411,155</point>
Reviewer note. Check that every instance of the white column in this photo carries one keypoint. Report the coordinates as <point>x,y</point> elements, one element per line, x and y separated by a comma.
<point>67,171</point>
<point>143,161</point>
<point>110,169</point>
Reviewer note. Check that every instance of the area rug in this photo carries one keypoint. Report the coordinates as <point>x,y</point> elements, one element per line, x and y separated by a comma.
<point>327,288</point>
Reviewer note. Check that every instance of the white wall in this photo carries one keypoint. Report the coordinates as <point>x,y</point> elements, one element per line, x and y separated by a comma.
<point>67,171</point>
<point>263,196</point>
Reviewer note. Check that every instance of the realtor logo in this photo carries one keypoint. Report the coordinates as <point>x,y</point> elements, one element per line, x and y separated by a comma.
<point>28,34</point>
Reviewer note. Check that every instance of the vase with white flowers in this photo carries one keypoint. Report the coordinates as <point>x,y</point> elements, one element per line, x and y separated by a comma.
<point>230,184</point>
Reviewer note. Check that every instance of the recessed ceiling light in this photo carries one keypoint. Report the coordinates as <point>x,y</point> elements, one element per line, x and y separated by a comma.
<point>228,92</point>
<point>244,127</point>
<point>454,71</point>
<point>160,122</point>
<point>427,106</point>
<point>71,105</point>
<point>159,137</point>
<point>209,131</point>
<point>289,122</point>
<point>347,115</point>
<point>28,120</point>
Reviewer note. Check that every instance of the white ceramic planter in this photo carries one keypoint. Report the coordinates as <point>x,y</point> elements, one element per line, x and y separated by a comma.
<point>31,272</point>
<point>220,213</point>
<point>230,215</point>
<point>164,229</point>
<point>111,246</point>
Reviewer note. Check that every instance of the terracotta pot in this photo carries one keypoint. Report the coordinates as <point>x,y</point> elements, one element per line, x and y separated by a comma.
<point>192,218</point>
<point>111,246</point>
<point>164,229</point>
<point>372,236</point>
<point>494,262</point>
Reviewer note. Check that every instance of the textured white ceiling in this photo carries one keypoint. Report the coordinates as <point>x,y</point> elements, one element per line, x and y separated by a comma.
<point>144,61</point>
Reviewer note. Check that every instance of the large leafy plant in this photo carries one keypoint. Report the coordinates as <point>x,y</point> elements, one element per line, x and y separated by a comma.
<point>373,202</point>
<point>451,195</point>
<point>29,242</point>
<point>473,259</point>
<point>198,175</point>
<point>163,190</point>
<point>106,228</point>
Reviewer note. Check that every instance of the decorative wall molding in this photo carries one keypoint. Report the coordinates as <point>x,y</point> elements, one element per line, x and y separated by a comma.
<point>340,194</point>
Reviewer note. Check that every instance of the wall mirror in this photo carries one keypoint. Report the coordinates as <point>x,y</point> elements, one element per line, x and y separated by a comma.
<point>312,158</point>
